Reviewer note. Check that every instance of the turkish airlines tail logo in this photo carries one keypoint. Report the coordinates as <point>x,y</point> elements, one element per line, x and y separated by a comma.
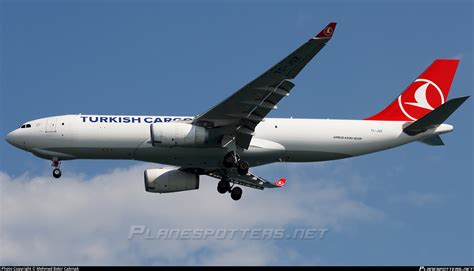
<point>426,93</point>
<point>420,97</point>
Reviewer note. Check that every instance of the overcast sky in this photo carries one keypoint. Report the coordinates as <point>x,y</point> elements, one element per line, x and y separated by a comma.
<point>412,205</point>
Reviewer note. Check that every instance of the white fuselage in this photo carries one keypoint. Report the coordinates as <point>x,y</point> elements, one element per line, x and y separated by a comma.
<point>275,140</point>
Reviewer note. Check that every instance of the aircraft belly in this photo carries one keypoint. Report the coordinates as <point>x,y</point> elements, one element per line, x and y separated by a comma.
<point>202,157</point>
<point>94,152</point>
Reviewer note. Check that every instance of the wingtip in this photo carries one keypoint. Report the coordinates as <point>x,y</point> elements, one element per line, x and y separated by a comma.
<point>463,98</point>
<point>281,182</point>
<point>328,31</point>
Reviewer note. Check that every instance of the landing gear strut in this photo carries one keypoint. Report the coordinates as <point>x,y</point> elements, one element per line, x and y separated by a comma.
<point>56,171</point>
<point>224,186</point>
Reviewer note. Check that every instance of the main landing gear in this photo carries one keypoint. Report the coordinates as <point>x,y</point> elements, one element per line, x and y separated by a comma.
<point>224,186</point>
<point>56,171</point>
<point>231,160</point>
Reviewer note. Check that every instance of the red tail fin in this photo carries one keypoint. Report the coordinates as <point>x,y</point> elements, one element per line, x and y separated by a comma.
<point>427,92</point>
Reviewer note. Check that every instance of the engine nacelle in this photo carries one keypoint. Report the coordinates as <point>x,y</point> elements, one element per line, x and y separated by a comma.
<point>169,134</point>
<point>167,180</point>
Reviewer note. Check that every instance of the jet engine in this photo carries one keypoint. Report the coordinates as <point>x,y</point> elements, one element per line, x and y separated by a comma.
<point>169,134</point>
<point>167,180</point>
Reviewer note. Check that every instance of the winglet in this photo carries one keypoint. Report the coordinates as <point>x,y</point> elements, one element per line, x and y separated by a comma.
<point>280,183</point>
<point>327,32</point>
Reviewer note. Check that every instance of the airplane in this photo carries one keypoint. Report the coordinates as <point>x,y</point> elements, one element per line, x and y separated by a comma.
<point>234,135</point>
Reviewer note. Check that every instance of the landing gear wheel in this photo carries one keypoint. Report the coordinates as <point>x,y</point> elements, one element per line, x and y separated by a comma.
<point>55,164</point>
<point>229,160</point>
<point>56,173</point>
<point>223,186</point>
<point>243,167</point>
<point>236,193</point>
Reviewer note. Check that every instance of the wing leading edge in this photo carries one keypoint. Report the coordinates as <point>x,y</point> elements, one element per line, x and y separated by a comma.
<point>238,115</point>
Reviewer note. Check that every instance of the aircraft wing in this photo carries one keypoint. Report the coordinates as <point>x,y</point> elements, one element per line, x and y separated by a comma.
<point>239,114</point>
<point>249,180</point>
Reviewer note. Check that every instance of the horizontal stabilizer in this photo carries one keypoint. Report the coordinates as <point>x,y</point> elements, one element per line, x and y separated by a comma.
<point>432,140</point>
<point>435,117</point>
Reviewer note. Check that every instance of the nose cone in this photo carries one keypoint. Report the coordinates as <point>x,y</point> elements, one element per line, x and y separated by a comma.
<point>13,139</point>
<point>9,138</point>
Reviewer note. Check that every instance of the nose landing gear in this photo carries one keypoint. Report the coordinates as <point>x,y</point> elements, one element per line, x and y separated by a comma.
<point>56,171</point>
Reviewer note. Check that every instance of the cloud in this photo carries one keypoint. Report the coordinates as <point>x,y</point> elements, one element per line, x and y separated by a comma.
<point>80,220</point>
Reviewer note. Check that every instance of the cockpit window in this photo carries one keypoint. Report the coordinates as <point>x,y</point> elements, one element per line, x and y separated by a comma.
<point>26,126</point>
<point>23,126</point>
